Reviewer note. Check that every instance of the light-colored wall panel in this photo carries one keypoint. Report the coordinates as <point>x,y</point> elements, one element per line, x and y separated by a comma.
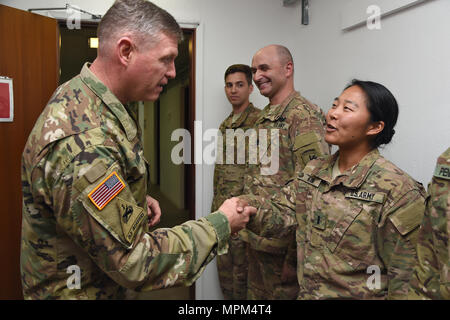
<point>354,13</point>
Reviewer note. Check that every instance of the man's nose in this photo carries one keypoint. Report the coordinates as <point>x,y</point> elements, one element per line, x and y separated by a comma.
<point>256,76</point>
<point>171,72</point>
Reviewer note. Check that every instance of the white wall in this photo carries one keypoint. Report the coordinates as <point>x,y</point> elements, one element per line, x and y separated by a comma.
<point>410,55</point>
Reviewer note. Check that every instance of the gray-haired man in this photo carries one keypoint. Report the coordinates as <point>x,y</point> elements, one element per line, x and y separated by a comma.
<point>86,211</point>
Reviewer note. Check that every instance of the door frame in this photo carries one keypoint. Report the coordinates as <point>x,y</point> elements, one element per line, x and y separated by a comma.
<point>202,204</point>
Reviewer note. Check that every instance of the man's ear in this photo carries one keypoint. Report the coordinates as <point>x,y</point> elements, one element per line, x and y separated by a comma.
<point>125,50</point>
<point>289,67</point>
<point>251,88</point>
<point>375,128</point>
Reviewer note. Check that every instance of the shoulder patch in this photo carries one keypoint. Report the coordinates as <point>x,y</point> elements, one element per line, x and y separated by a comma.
<point>442,171</point>
<point>307,147</point>
<point>131,217</point>
<point>106,190</point>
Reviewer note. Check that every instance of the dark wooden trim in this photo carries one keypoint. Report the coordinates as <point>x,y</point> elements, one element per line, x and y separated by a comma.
<point>190,117</point>
<point>190,121</point>
<point>158,140</point>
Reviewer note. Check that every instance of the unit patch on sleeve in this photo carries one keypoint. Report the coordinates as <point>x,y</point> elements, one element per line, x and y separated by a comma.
<point>106,190</point>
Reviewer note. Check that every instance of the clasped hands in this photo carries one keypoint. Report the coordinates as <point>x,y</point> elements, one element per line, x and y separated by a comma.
<point>236,210</point>
<point>238,213</point>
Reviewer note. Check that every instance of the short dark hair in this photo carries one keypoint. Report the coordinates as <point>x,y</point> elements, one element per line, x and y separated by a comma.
<point>245,69</point>
<point>382,106</point>
<point>140,17</point>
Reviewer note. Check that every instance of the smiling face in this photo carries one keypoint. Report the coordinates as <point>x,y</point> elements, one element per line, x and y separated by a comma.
<point>348,121</point>
<point>237,89</point>
<point>269,74</point>
<point>150,69</point>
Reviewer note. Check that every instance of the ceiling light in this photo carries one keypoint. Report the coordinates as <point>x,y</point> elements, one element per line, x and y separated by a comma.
<point>93,43</point>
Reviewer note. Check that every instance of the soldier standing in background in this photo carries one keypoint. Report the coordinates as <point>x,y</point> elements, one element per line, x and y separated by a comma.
<point>431,278</point>
<point>229,178</point>
<point>85,179</point>
<point>300,124</point>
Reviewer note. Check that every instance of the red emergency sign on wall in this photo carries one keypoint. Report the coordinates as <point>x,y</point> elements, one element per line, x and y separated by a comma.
<point>6,100</point>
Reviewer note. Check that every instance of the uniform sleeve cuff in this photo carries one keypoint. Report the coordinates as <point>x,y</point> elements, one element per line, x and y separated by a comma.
<point>222,227</point>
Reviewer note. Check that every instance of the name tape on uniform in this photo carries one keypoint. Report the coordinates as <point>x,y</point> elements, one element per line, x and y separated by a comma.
<point>442,171</point>
<point>366,196</point>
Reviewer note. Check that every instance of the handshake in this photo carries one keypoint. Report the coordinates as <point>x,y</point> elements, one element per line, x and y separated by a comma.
<point>238,213</point>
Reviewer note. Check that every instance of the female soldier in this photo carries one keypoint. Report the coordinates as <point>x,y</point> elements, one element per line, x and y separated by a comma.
<point>357,213</point>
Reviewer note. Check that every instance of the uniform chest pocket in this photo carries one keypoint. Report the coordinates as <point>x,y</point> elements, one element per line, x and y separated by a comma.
<point>352,238</point>
<point>342,225</point>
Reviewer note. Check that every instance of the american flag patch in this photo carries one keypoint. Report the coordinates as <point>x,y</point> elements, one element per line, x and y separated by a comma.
<point>106,190</point>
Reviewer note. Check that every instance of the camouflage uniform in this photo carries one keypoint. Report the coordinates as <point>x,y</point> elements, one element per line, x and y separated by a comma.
<point>431,278</point>
<point>270,247</point>
<point>228,183</point>
<point>229,178</point>
<point>367,216</point>
<point>85,140</point>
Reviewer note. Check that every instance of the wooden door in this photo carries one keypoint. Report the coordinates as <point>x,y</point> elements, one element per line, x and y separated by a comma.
<point>29,54</point>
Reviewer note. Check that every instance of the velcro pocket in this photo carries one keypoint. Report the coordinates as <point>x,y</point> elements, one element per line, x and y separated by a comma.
<point>120,216</point>
<point>342,225</point>
<point>407,218</point>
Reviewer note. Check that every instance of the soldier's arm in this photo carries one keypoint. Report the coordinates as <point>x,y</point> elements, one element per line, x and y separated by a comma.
<point>424,282</point>
<point>307,135</point>
<point>397,240</point>
<point>114,234</point>
<point>278,208</point>
<point>431,278</point>
<point>286,209</point>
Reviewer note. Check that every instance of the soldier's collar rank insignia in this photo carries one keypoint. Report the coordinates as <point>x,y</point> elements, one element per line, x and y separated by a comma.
<point>106,190</point>
<point>310,180</point>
